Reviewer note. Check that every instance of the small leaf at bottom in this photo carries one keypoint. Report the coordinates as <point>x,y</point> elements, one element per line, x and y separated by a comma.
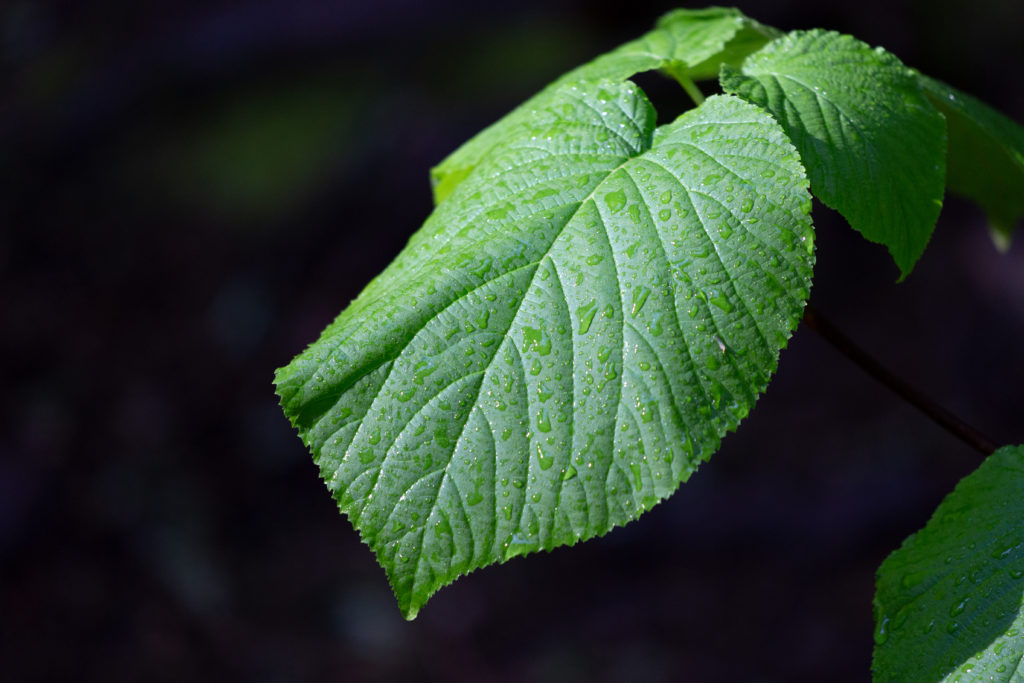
<point>950,601</point>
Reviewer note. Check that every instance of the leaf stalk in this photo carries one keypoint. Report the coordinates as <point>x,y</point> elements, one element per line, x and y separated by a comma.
<point>942,417</point>
<point>689,86</point>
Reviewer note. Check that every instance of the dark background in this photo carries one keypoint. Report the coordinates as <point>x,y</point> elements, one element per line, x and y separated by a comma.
<point>192,190</point>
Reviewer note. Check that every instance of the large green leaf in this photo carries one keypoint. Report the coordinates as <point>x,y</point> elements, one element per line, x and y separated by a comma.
<point>688,44</point>
<point>565,339</point>
<point>873,146</point>
<point>986,156</point>
<point>950,601</point>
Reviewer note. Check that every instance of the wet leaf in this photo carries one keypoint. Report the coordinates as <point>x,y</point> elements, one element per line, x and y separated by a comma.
<point>568,336</point>
<point>873,146</point>
<point>685,43</point>
<point>950,601</point>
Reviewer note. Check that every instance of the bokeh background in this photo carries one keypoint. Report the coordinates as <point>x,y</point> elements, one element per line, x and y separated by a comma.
<point>190,191</point>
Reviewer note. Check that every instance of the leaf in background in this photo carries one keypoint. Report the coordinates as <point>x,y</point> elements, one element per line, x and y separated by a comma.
<point>950,601</point>
<point>873,146</point>
<point>687,43</point>
<point>986,157</point>
<point>565,339</point>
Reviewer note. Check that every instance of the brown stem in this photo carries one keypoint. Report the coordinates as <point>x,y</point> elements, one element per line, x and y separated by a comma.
<point>937,413</point>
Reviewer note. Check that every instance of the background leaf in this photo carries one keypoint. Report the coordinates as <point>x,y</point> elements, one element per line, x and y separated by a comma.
<point>986,156</point>
<point>950,601</point>
<point>872,144</point>
<point>687,43</point>
<point>567,337</point>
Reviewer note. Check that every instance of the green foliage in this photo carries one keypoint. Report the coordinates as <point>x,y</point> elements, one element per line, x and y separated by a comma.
<point>879,160</point>
<point>689,44</point>
<point>950,601</point>
<point>986,156</point>
<point>569,334</point>
<point>596,301</point>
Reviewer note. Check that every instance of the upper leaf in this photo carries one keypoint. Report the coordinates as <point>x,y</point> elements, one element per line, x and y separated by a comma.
<point>685,43</point>
<point>873,146</point>
<point>986,156</point>
<point>565,339</point>
<point>950,601</point>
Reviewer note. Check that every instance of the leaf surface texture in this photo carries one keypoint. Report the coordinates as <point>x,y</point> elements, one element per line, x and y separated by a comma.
<point>873,146</point>
<point>570,333</point>
<point>949,604</point>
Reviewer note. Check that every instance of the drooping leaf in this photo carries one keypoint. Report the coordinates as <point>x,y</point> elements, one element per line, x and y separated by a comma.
<point>565,339</point>
<point>986,156</point>
<point>685,43</point>
<point>950,602</point>
<point>873,145</point>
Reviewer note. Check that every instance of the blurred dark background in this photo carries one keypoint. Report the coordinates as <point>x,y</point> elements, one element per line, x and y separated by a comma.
<point>190,191</point>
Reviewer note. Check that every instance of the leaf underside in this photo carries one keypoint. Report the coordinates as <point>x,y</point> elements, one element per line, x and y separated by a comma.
<point>686,43</point>
<point>570,333</point>
<point>873,146</point>
<point>986,157</point>
<point>950,602</point>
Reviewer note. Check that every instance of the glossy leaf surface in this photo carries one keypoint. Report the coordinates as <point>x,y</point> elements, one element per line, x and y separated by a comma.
<point>570,333</point>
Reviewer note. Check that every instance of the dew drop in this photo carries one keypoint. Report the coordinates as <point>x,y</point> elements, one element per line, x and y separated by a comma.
<point>640,295</point>
<point>544,461</point>
<point>912,579</point>
<point>543,422</point>
<point>498,213</point>
<point>421,370</point>
<point>536,340</point>
<point>721,302</point>
<point>585,314</point>
<point>615,200</point>
<point>881,631</point>
<point>638,481</point>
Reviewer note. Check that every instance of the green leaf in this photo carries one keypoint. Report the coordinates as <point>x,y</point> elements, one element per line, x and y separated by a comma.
<point>565,339</point>
<point>986,156</point>
<point>688,44</point>
<point>872,144</point>
<point>950,601</point>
